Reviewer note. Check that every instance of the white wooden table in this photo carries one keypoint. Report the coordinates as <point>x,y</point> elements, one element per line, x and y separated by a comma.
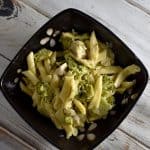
<point>128,19</point>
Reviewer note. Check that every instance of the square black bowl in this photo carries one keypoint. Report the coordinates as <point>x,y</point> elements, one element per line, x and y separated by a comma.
<point>66,21</point>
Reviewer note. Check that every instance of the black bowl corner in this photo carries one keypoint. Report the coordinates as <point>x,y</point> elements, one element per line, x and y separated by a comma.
<point>66,21</point>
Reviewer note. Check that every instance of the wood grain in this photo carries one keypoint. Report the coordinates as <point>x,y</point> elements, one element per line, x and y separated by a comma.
<point>3,63</point>
<point>144,5</point>
<point>125,143</point>
<point>125,20</point>
<point>15,32</point>
<point>9,141</point>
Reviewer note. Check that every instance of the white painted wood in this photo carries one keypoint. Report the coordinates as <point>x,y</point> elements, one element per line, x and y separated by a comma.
<point>15,32</point>
<point>129,23</point>
<point>3,64</point>
<point>125,143</point>
<point>144,5</point>
<point>122,18</point>
<point>9,141</point>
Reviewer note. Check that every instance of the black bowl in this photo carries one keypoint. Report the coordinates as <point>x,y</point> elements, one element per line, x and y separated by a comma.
<point>66,21</point>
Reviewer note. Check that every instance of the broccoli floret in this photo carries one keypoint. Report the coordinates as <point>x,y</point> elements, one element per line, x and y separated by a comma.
<point>42,54</point>
<point>86,90</point>
<point>44,90</point>
<point>108,86</point>
<point>76,69</point>
<point>67,38</point>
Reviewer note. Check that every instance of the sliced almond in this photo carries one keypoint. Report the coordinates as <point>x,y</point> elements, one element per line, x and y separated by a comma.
<point>44,40</point>
<point>80,137</point>
<point>124,101</point>
<point>62,69</point>
<point>113,112</point>
<point>56,33</point>
<point>49,31</point>
<point>92,126</point>
<point>16,80</point>
<point>134,96</point>
<point>19,70</point>
<point>52,42</point>
<point>91,136</point>
<point>82,129</point>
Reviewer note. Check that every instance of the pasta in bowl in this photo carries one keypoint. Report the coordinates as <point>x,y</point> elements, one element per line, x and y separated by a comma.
<point>76,85</point>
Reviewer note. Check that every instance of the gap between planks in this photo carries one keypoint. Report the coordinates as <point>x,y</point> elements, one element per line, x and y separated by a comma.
<point>30,4</point>
<point>130,39</point>
<point>5,57</point>
<point>133,137</point>
<point>135,4</point>
<point>131,2</point>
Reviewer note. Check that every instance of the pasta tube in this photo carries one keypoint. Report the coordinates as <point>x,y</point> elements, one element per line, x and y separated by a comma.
<point>31,63</point>
<point>95,102</point>
<point>129,70</point>
<point>31,76</point>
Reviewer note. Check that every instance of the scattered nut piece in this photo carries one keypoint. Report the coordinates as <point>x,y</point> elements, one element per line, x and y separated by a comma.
<point>52,42</point>
<point>129,91</point>
<point>56,33</point>
<point>82,129</point>
<point>91,136</point>
<point>92,126</point>
<point>16,80</point>
<point>44,40</point>
<point>134,96</point>
<point>61,70</point>
<point>49,31</point>
<point>113,112</point>
<point>61,135</point>
<point>19,71</point>
<point>80,137</point>
<point>124,101</point>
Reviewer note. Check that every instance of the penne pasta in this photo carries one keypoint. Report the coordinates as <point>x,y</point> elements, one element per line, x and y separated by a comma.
<point>132,69</point>
<point>47,65</point>
<point>95,102</point>
<point>76,85</point>
<point>25,89</point>
<point>31,63</point>
<point>80,106</point>
<point>31,76</point>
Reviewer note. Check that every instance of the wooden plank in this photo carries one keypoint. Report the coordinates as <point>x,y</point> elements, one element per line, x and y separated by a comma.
<point>144,5</point>
<point>16,30</point>
<point>123,19</point>
<point>114,142</point>
<point>9,141</point>
<point>3,64</point>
